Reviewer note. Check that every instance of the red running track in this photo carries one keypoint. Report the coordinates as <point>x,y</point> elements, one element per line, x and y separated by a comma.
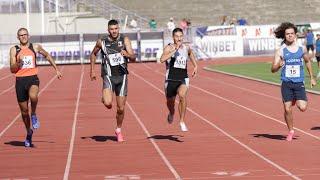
<point>236,130</point>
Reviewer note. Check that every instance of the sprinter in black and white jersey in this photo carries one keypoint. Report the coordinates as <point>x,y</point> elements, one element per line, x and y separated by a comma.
<point>177,81</point>
<point>116,50</point>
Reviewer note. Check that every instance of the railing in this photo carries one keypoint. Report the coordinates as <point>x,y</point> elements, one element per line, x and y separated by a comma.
<point>111,11</point>
<point>76,48</point>
<point>99,7</point>
<point>19,6</point>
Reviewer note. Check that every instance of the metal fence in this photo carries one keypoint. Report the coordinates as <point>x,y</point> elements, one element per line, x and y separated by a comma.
<point>76,48</point>
<point>98,7</point>
<point>19,6</point>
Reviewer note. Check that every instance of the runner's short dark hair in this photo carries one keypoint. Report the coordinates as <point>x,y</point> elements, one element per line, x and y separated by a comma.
<point>113,22</point>
<point>177,30</point>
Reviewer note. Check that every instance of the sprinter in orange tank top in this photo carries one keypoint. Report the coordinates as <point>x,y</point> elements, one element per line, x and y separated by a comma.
<point>23,65</point>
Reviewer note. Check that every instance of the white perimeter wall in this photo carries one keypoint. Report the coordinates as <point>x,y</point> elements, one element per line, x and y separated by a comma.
<point>74,23</point>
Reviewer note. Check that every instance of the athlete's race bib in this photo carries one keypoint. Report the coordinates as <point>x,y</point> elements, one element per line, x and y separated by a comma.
<point>116,59</point>
<point>292,71</point>
<point>27,62</point>
<point>180,62</point>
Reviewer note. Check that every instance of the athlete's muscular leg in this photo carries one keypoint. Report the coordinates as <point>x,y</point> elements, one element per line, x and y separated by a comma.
<point>182,93</point>
<point>25,114</point>
<point>121,102</point>
<point>302,105</point>
<point>107,98</point>
<point>170,104</point>
<point>288,114</point>
<point>33,94</point>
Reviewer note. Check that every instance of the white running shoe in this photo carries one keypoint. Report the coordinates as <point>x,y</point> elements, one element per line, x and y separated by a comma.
<point>183,127</point>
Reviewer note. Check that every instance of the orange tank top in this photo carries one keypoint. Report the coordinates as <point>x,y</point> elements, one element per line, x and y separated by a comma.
<point>27,56</point>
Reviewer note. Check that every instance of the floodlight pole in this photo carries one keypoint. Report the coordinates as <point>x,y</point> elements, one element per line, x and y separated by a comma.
<point>57,8</point>
<point>57,15</point>
<point>28,15</point>
<point>42,17</point>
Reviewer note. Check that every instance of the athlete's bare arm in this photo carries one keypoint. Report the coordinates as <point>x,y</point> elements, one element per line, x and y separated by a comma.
<point>93,57</point>
<point>14,63</point>
<point>168,51</point>
<point>277,62</point>
<point>193,61</point>
<point>38,48</point>
<point>129,51</point>
<point>308,62</point>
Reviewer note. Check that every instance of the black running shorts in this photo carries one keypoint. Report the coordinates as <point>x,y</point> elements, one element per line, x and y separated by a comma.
<point>171,86</point>
<point>23,85</point>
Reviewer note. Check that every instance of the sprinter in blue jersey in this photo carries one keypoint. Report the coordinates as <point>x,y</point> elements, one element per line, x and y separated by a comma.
<point>310,42</point>
<point>318,54</point>
<point>289,58</point>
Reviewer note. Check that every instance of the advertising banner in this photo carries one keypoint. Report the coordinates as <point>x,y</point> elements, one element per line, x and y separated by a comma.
<point>262,31</point>
<point>61,52</point>
<point>302,29</point>
<point>4,55</point>
<point>149,49</point>
<point>221,46</point>
<point>216,31</point>
<point>259,46</point>
<point>315,28</point>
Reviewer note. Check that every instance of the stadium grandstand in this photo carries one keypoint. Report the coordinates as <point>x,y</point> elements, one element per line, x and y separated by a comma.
<point>209,12</point>
<point>72,26</point>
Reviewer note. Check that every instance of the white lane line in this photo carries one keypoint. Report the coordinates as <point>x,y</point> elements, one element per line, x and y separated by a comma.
<point>7,90</point>
<point>254,79</point>
<point>251,91</point>
<point>73,135</point>
<point>17,117</point>
<point>251,110</point>
<point>238,87</point>
<point>11,87</point>
<point>164,158</point>
<point>248,109</point>
<point>228,135</point>
<point>5,77</point>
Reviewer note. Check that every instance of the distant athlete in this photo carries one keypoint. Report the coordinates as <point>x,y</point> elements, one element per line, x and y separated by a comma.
<point>23,65</point>
<point>116,50</point>
<point>289,58</point>
<point>177,81</point>
<point>318,54</point>
<point>310,42</point>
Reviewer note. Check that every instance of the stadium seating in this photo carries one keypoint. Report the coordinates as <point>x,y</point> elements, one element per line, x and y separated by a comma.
<point>209,12</point>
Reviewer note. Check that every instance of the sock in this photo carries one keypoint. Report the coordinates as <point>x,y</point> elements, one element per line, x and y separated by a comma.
<point>291,131</point>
